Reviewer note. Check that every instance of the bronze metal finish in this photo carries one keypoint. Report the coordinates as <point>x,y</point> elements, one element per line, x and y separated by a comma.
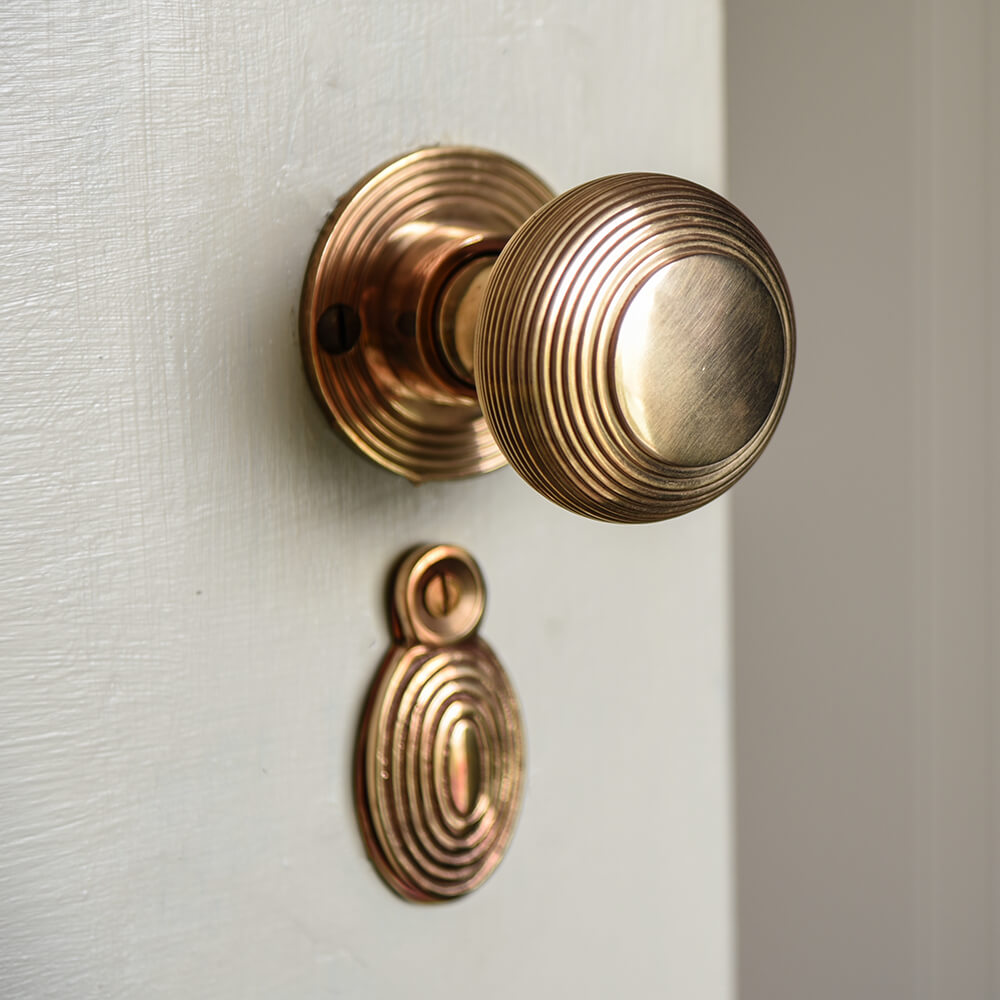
<point>631,345</point>
<point>383,260</point>
<point>439,760</point>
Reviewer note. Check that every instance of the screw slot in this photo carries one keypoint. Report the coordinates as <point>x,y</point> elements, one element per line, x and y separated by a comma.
<point>338,329</point>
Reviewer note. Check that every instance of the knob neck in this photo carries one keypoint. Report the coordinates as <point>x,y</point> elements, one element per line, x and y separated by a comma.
<point>455,323</point>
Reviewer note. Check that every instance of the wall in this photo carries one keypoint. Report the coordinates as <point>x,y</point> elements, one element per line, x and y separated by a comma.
<point>863,138</point>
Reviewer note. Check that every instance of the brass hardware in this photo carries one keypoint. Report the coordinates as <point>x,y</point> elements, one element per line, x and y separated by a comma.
<point>439,759</point>
<point>628,346</point>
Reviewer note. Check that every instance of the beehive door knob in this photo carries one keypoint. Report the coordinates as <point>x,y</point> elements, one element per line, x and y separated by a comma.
<point>634,347</point>
<point>627,346</point>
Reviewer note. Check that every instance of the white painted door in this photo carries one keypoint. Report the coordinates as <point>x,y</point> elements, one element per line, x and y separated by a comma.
<point>193,564</point>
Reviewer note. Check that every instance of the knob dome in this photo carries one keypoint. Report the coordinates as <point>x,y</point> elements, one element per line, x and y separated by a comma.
<point>635,347</point>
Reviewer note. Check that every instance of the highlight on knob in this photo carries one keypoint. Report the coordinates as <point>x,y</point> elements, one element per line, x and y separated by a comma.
<point>627,346</point>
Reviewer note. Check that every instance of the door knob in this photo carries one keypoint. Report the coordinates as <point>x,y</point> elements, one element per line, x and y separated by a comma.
<point>627,346</point>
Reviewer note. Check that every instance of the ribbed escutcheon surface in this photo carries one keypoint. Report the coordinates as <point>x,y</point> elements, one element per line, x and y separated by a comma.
<point>608,374</point>
<point>432,841</point>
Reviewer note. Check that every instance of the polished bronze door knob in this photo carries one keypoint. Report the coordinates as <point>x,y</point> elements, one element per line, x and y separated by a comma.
<point>627,347</point>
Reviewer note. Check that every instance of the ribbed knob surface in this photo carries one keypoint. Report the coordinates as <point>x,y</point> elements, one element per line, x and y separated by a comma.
<point>635,347</point>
